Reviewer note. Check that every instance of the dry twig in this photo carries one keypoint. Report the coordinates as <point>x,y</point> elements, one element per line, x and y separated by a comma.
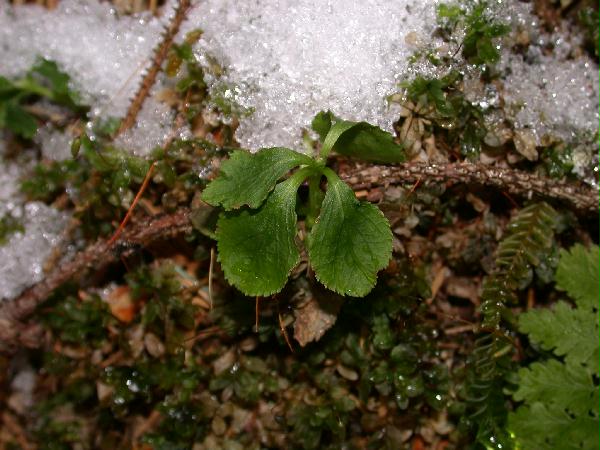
<point>159,57</point>
<point>579,196</point>
<point>94,257</point>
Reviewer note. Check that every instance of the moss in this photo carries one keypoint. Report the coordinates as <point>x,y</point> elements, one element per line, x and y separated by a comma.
<point>481,30</point>
<point>43,81</point>
<point>101,183</point>
<point>8,226</point>
<point>77,321</point>
<point>384,339</point>
<point>53,435</point>
<point>440,104</point>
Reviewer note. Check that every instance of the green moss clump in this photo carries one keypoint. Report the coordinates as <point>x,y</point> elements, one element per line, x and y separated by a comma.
<point>102,182</point>
<point>8,226</point>
<point>380,355</point>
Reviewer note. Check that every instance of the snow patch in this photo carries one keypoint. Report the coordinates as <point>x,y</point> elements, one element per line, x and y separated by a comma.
<point>22,258</point>
<point>552,89</point>
<point>105,54</point>
<point>293,58</point>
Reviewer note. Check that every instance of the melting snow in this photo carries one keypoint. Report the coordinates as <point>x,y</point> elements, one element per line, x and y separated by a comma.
<point>293,58</point>
<point>104,54</point>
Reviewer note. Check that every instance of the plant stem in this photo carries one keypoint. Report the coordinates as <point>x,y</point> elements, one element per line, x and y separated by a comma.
<point>579,196</point>
<point>315,198</point>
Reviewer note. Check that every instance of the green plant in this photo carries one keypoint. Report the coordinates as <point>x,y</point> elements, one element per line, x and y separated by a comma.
<point>587,19</point>
<point>44,80</point>
<point>349,241</point>
<point>528,240</point>
<point>438,106</point>
<point>557,160</point>
<point>431,93</point>
<point>192,87</point>
<point>167,314</point>
<point>75,320</point>
<point>101,182</point>
<point>480,30</point>
<point>560,393</point>
<point>523,250</point>
<point>9,225</point>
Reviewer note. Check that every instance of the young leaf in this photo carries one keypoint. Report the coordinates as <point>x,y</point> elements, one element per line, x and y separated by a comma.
<point>20,121</point>
<point>7,89</point>
<point>256,248</point>
<point>359,139</point>
<point>430,91</point>
<point>365,141</point>
<point>247,179</point>
<point>350,242</point>
<point>58,81</point>
<point>322,123</point>
<point>577,273</point>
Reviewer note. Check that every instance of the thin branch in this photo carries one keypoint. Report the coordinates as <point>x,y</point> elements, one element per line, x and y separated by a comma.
<point>579,196</point>
<point>157,61</point>
<point>139,194</point>
<point>94,257</point>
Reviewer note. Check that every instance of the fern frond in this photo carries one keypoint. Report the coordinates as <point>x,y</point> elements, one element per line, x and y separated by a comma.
<point>487,366</point>
<point>528,237</point>
<point>577,274</point>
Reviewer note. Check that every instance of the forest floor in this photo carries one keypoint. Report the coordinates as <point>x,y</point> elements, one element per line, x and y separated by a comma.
<point>137,340</point>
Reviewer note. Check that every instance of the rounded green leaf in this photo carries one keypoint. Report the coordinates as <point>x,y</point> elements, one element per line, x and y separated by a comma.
<point>247,179</point>
<point>358,139</point>
<point>350,242</point>
<point>256,248</point>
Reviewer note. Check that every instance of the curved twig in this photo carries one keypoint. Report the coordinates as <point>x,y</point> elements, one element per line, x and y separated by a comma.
<point>94,257</point>
<point>579,196</point>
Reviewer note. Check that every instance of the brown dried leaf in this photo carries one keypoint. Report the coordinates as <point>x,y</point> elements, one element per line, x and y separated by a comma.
<point>103,390</point>
<point>314,318</point>
<point>525,144</point>
<point>463,287</point>
<point>153,345</point>
<point>224,362</point>
<point>121,304</point>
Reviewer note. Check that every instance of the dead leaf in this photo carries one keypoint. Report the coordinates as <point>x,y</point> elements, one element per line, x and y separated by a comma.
<point>153,345</point>
<point>347,373</point>
<point>314,317</point>
<point>121,304</point>
<point>440,273</point>
<point>478,204</point>
<point>224,362</point>
<point>525,144</point>
<point>463,287</point>
<point>103,390</point>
